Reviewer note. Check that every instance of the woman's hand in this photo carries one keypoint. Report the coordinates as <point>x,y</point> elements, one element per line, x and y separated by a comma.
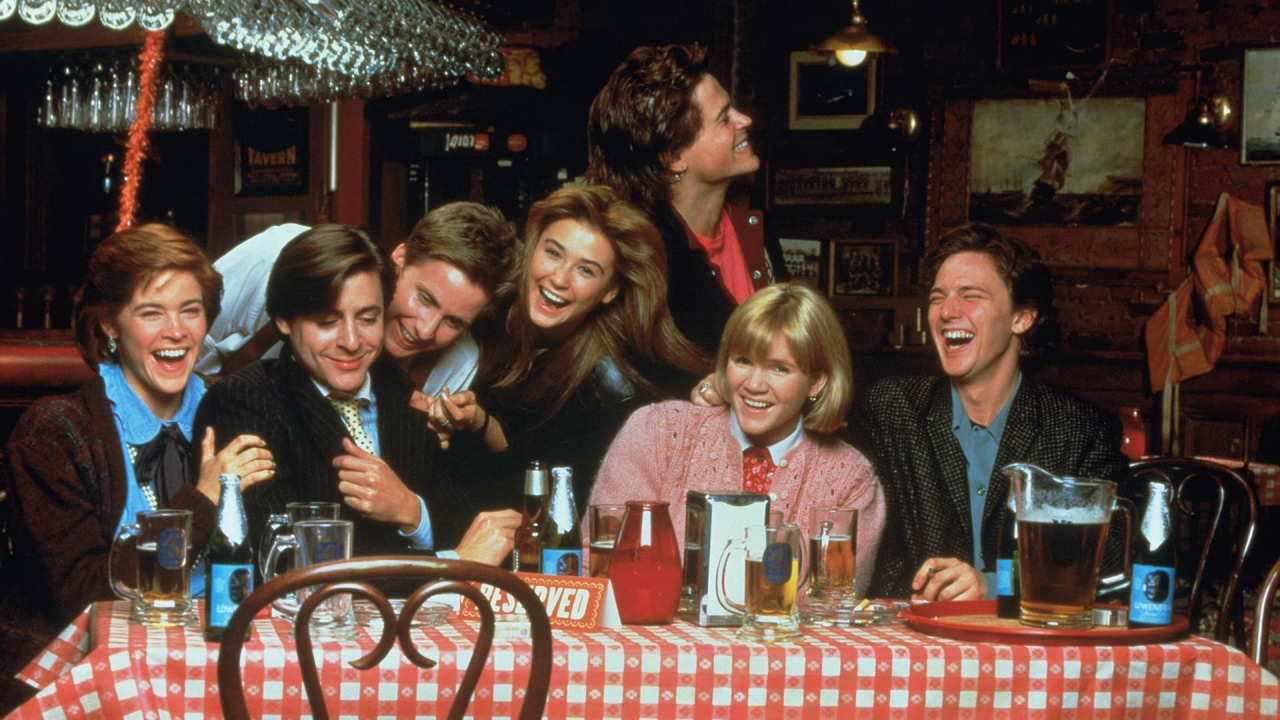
<point>451,413</point>
<point>705,395</point>
<point>246,456</point>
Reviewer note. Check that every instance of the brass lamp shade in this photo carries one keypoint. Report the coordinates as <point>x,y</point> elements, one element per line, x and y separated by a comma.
<point>852,44</point>
<point>1200,128</point>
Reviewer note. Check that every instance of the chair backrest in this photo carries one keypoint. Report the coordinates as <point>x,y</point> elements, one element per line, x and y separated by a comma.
<point>438,576</point>
<point>1260,637</point>
<point>1217,516</point>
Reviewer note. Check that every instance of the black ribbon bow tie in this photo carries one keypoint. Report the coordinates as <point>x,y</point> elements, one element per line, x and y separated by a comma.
<point>164,462</point>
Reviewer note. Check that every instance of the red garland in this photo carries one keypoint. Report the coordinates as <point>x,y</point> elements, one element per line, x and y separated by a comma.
<point>139,142</point>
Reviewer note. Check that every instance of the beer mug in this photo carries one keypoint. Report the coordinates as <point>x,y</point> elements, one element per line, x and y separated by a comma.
<point>833,562</point>
<point>313,542</point>
<point>161,543</point>
<point>690,592</point>
<point>1062,529</point>
<point>295,511</point>
<point>774,563</point>
<point>604,522</point>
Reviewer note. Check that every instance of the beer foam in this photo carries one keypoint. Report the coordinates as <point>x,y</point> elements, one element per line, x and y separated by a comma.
<point>1071,515</point>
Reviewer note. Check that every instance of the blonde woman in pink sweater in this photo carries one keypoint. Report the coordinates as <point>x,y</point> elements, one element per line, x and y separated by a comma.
<point>783,366</point>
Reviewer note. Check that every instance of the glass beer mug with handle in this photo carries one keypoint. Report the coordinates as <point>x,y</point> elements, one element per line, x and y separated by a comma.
<point>161,544</point>
<point>316,541</point>
<point>774,566</point>
<point>281,522</point>
<point>1062,529</point>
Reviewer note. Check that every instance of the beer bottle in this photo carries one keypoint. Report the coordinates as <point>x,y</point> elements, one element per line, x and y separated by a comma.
<point>1008,587</point>
<point>528,552</point>
<point>1154,562</point>
<point>228,561</point>
<point>562,538</point>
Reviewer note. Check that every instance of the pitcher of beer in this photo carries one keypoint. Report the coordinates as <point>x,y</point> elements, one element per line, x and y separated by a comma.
<point>1062,529</point>
<point>160,542</point>
<point>774,567</point>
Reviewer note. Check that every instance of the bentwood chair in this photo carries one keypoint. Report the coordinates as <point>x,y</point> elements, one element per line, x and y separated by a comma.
<point>438,576</point>
<point>1216,516</point>
<point>1260,636</point>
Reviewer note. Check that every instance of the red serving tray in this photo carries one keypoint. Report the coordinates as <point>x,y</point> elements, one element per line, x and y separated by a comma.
<point>976,620</point>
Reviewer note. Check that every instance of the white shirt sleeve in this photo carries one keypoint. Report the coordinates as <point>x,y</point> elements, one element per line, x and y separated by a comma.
<point>245,270</point>
<point>455,368</point>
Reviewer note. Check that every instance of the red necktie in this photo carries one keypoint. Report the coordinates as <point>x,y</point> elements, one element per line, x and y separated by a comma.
<point>757,470</point>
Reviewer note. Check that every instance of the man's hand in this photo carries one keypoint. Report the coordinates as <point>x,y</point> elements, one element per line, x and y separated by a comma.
<point>948,579</point>
<point>374,490</point>
<point>491,537</point>
<point>704,393</point>
<point>246,456</point>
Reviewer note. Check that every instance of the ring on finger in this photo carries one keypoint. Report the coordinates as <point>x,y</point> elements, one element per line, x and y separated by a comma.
<point>446,423</point>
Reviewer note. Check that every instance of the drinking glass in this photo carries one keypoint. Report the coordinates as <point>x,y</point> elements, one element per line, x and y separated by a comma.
<point>160,543</point>
<point>316,541</point>
<point>691,591</point>
<point>774,564</point>
<point>833,563</point>
<point>605,520</point>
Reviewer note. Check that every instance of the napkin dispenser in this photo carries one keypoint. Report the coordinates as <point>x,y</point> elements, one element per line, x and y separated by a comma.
<point>711,521</point>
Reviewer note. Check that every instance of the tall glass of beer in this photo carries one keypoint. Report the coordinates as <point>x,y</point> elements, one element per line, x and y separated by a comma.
<point>1062,526</point>
<point>833,547</point>
<point>159,546</point>
<point>774,565</point>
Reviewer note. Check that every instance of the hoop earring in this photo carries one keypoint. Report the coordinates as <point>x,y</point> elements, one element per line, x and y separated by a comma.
<point>111,345</point>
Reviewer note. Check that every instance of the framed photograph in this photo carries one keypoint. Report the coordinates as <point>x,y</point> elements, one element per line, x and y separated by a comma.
<point>863,266</point>
<point>1260,116</point>
<point>833,186</point>
<point>825,95</point>
<point>1273,224</point>
<point>804,261</point>
<point>1037,34</point>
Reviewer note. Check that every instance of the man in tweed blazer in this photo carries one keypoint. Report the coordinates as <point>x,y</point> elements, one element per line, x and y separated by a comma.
<point>938,443</point>
<point>326,295</point>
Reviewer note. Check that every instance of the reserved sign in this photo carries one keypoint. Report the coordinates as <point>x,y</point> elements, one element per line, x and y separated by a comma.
<point>572,603</point>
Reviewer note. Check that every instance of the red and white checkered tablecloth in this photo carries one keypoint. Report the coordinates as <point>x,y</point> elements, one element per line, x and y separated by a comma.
<point>674,671</point>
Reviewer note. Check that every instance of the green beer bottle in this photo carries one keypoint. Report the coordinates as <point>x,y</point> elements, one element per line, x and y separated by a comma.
<point>228,561</point>
<point>561,537</point>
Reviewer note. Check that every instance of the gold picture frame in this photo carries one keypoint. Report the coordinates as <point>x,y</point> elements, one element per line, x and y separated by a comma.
<point>825,95</point>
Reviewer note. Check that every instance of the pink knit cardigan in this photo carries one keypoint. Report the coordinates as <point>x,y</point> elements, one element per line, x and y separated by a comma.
<point>669,448</point>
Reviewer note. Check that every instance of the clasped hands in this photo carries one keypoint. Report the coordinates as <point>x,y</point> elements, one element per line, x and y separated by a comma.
<point>372,488</point>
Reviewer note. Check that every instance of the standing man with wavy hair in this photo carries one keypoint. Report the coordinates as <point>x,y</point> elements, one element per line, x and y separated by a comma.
<point>665,135</point>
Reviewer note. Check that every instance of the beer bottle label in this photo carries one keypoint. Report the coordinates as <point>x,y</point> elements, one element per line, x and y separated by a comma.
<point>1004,576</point>
<point>1151,595</point>
<point>561,562</point>
<point>229,586</point>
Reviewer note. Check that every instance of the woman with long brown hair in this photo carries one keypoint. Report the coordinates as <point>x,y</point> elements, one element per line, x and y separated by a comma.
<point>588,340</point>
